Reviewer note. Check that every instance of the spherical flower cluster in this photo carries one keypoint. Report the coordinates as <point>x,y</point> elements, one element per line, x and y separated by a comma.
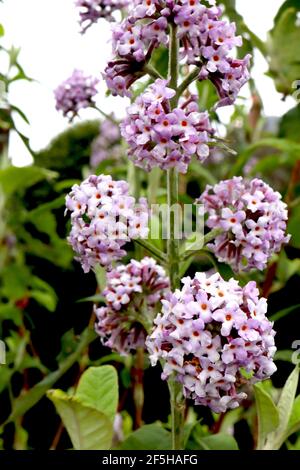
<point>92,10</point>
<point>133,294</point>
<point>253,219</point>
<point>205,41</point>
<point>107,145</point>
<point>104,218</point>
<point>214,337</point>
<point>160,137</point>
<point>76,93</point>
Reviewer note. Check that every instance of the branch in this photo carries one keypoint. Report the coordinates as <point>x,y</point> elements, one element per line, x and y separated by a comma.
<point>156,252</point>
<point>152,72</point>
<point>107,116</point>
<point>206,239</point>
<point>187,81</point>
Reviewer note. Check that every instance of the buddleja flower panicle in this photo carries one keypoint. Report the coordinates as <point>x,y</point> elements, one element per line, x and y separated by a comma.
<point>76,93</point>
<point>159,137</point>
<point>104,217</point>
<point>211,336</point>
<point>253,219</point>
<point>205,41</point>
<point>91,11</point>
<point>133,295</point>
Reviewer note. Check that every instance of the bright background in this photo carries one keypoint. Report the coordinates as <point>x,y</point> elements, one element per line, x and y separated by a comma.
<point>48,33</point>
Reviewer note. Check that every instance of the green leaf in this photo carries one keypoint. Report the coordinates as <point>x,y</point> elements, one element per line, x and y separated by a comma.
<point>5,377</point>
<point>98,388</point>
<point>282,45</point>
<point>101,277</point>
<point>293,227</point>
<point>295,446</point>
<point>11,312</point>
<point>289,124</point>
<point>57,252</point>
<point>159,60</point>
<point>217,442</point>
<point>207,93</point>
<point>15,280</point>
<point>21,437</point>
<point>93,298</point>
<point>267,163</point>
<point>65,185</point>
<point>267,413</point>
<point>45,299</point>
<point>47,206</point>
<point>27,400</point>
<point>2,31</point>
<point>287,268</point>
<point>184,266</point>
<point>286,401</point>
<point>14,179</point>
<point>148,437</point>
<point>282,145</point>
<point>230,419</point>
<point>284,355</point>
<point>43,293</point>
<point>283,313</point>
<point>285,408</point>
<point>284,6</point>
<point>45,222</point>
<point>21,113</point>
<point>202,172</point>
<point>67,345</point>
<point>294,422</point>
<point>87,427</point>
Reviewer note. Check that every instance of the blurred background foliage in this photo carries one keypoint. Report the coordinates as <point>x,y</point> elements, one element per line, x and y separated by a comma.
<point>43,319</point>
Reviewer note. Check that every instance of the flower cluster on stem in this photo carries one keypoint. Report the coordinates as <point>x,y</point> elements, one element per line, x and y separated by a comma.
<point>251,216</point>
<point>76,93</point>
<point>214,337</point>
<point>133,294</point>
<point>104,218</point>
<point>91,11</point>
<point>165,137</point>
<point>204,39</point>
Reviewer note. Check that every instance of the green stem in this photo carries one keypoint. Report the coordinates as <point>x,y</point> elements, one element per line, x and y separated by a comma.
<point>134,179</point>
<point>172,177</point>
<point>107,116</point>
<point>176,395</point>
<point>187,81</point>
<point>150,70</point>
<point>173,243</point>
<point>206,239</point>
<point>177,414</point>
<point>151,249</point>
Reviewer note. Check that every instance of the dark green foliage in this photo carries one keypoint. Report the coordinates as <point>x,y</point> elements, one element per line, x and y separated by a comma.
<point>70,150</point>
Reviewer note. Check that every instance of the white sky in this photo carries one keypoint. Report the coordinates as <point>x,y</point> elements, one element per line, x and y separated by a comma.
<point>48,33</point>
